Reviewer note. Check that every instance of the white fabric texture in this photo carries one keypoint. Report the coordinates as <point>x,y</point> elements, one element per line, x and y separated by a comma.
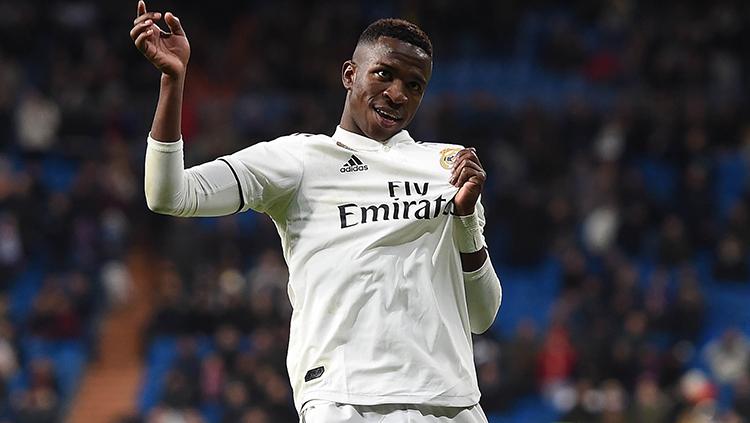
<point>206,190</point>
<point>484,295</point>
<point>468,233</point>
<point>330,412</point>
<point>381,312</point>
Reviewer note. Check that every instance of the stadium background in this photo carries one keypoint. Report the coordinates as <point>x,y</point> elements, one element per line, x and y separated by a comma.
<point>617,142</point>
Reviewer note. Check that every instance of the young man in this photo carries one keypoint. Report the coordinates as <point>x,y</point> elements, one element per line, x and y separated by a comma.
<point>389,273</point>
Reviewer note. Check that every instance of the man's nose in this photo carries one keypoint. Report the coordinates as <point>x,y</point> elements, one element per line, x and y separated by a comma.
<point>396,93</point>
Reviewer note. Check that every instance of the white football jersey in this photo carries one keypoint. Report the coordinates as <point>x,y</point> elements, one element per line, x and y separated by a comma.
<point>375,280</point>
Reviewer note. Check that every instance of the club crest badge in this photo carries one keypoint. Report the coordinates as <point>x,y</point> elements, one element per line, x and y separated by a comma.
<point>448,156</point>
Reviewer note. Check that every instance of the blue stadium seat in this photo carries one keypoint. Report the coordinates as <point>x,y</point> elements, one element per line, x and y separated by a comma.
<point>532,292</point>
<point>58,173</point>
<point>529,409</point>
<point>731,181</point>
<point>161,354</point>
<point>23,291</point>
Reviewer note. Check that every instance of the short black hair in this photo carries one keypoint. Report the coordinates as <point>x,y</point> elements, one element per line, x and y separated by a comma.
<point>399,29</point>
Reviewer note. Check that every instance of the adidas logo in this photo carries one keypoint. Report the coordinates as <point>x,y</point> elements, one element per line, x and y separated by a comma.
<point>353,165</point>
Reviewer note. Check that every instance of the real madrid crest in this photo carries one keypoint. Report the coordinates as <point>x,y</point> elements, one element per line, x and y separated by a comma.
<point>447,156</point>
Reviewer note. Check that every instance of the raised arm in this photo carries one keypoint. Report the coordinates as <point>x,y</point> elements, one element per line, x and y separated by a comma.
<point>169,52</point>
<point>211,189</point>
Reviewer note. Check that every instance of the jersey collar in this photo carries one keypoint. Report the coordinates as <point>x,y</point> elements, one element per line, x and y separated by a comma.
<point>356,141</point>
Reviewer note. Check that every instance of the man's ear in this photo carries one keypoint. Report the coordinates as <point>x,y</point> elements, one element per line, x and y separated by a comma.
<point>348,72</point>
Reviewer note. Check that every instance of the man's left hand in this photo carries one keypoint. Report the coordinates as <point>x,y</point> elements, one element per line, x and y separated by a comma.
<point>469,176</point>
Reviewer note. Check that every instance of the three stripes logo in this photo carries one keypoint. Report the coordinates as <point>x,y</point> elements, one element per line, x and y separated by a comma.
<point>354,164</point>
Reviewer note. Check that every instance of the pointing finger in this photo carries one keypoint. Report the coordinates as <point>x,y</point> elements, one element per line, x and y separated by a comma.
<point>141,8</point>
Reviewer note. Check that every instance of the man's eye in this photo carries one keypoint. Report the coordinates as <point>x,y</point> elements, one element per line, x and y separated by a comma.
<point>416,86</point>
<point>384,74</point>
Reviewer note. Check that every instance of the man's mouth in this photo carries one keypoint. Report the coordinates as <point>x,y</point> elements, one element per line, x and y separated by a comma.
<point>388,116</point>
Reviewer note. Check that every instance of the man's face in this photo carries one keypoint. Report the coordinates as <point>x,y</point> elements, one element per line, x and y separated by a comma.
<point>385,82</point>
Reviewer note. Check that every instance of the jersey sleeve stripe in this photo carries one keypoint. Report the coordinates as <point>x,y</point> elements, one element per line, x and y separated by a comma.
<point>239,186</point>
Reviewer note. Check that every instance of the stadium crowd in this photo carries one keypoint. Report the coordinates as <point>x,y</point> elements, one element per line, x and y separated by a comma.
<point>632,186</point>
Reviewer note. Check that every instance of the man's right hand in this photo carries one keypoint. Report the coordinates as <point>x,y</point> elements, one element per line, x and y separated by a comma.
<point>168,51</point>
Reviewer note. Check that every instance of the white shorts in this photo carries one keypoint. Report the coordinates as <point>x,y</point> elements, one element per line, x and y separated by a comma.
<point>320,411</point>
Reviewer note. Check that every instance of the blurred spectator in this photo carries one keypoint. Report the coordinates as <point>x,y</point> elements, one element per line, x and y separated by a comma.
<point>179,392</point>
<point>212,378</point>
<point>235,401</point>
<point>696,390</point>
<point>37,122</point>
<point>651,404</point>
<point>11,249</point>
<point>741,402</point>
<point>557,358</point>
<point>580,404</point>
<point>496,387</point>
<point>170,415</point>
<point>731,260</point>
<point>497,392</point>
<point>738,223</point>
<point>688,309</point>
<point>171,310</point>
<point>270,272</point>
<point>696,208</point>
<point>255,415</point>
<point>675,247</point>
<point>600,228</point>
<point>519,360</point>
<point>729,356</point>
<point>117,283</point>
<point>54,315</point>
<point>8,359</point>
<point>187,361</point>
<point>41,402</point>
<point>614,401</point>
<point>563,50</point>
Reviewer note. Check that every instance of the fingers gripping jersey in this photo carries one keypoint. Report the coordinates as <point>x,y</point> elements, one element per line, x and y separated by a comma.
<point>375,281</point>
